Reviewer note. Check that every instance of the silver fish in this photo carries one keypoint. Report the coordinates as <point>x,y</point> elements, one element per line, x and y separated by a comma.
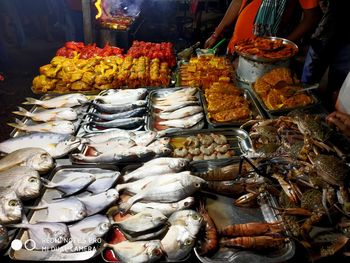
<point>178,93</point>
<point>45,235</point>
<point>87,232</point>
<point>35,158</point>
<point>71,183</point>
<point>181,113</point>
<point>185,123</point>
<point>96,203</point>
<point>122,96</point>
<point>117,108</point>
<point>176,105</point>
<point>67,114</point>
<point>23,180</point>
<point>10,207</point>
<point>112,144</point>
<point>69,100</point>
<point>137,252</point>
<point>4,238</point>
<point>166,208</point>
<point>121,115</point>
<point>166,189</point>
<point>169,102</point>
<point>144,138</point>
<point>147,236</point>
<point>105,136</point>
<point>57,145</point>
<point>190,219</point>
<point>62,127</point>
<point>164,161</point>
<point>62,210</point>
<point>177,243</point>
<point>126,123</point>
<point>104,181</point>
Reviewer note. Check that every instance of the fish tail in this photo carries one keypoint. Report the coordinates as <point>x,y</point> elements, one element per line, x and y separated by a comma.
<point>31,101</point>
<point>18,125</point>
<point>22,112</point>
<point>47,183</point>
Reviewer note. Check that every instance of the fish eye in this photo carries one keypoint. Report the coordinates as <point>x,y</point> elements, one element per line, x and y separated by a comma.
<point>198,185</point>
<point>186,204</point>
<point>188,242</point>
<point>157,252</point>
<point>32,179</point>
<point>195,217</point>
<point>13,203</point>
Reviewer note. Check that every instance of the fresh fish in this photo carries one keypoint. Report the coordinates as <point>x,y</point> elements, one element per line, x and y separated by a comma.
<point>23,180</point>
<point>137,252</point>
<point>144,138</point>
<point>166,208</point>
<point>98,202</point>
<point>142,222</point>
<point>166,161</point>
<point>69,100</point>
<point>46,235</point>
<point>117,108</point>
<point>113,143</point>
<point>62,210</point>
<point>10,207</point>
<point>166,189</point>
<point>172,166</point>
<point>190,219</point>
<point>138,112</point>
<point>35,158</point>
<point>57,145</point>
<point>104,181</point>
<point>63,127</point>
<point>4,238</point>
<point>71,183</point>
<point>181,113</point>
<point>87,232</point>
<point>169,102</point>
<point>148,236</point>
<point>177,94</point>
<point>185,123</point>
<point>177,243</point>
<point>127,123</point>
<point>176,105</point>
<point>106,136</point>
<point>161,147</point>
<point>122,96</point>
<point>67,114</point>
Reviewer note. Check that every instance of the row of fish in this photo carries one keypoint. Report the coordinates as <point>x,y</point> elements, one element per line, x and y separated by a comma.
<point>176,109</point>
<point>123,109</point>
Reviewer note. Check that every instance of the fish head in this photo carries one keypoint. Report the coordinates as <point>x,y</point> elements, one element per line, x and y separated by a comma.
<point>112,195</point>
<point>66,146</point>
<point>193,221</point>
<point>178,164</point>
<point>41,162</point>
<point>103,228</point>
<point>81,98</point>
<point>185,240</point>
<point>10,207</point>
<point>195,183</point>
<point>186,203</point>
<point>154,250</point>
<point>28,187</point>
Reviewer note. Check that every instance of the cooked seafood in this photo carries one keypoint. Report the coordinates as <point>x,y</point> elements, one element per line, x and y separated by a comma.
<point>4,238</point>
<point>186,122</point>
<point>138,112</point>
<point>122,96</point>
<point>126,123</point>
<point>62,127</point>
<point>69,100</point>
<point>104,181</point>
<point>57,145</point>
<point>181,113</point>
<point>10,207</point>
<point>35,158</point>
<point>118,108</point>
<point>71,183</point>
<point>67,114</point>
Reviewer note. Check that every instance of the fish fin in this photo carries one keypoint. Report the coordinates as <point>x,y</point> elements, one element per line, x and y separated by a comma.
<point>125,207</point>
<point>87,230</point>
<point>22,112</point>
<point>47,183</point>
<point>42,205</point>
<point>48,231</point>
<point>18,125</point>
<point>31,101</point>
<point>111,212</point>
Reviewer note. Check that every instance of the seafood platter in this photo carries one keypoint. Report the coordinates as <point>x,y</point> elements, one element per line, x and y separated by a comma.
<point>175,109</point>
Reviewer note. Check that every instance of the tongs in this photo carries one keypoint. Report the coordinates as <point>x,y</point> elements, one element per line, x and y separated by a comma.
<point>307,88</point>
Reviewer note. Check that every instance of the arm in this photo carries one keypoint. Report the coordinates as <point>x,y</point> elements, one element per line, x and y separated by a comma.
<point>308,22</point>
<point>341,121</point>
<point>228,19</point>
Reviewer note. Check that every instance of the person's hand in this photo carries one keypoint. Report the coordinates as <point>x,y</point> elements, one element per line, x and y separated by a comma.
<point>210,41</point>
<point>341,121</point>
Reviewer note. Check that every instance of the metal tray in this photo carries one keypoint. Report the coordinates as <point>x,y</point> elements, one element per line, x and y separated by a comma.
<point>47,195</point>
<point>256,112</point>
<point>53,92</point>
<point>150,119</point>
<point>238,139</point>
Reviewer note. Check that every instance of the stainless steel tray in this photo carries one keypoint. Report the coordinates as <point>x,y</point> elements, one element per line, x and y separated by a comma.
<point>256,112</point>
<point>48,195</point>
<point>152,114</point>
<point>238,139</point>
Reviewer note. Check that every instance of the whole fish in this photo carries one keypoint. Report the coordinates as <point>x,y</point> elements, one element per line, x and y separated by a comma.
<point>117,108</point>
<point>144,138</point>
<point>23,180</point>
<point>174,165</point>
<point>166,189</point>
<point>122,96</point>
<point>122,115</point>
<point>62,210</point>
<point>176,94</point>
<point>11,207</point>
<point>4,238</point>
<point>169,102</point>
<point>98,202</point>
<point>46,235</point>
<point>71,183</point>
<point>165,161</point>
<point>112,144</point>
<point>57,145</point>
<point>87,232</point>
<point>126,123</point>
<point>181,113</point>
<point>104,181</point>
<point>35,158</point>
<point>62,127</point>
<point>69,100</point>
<point>167,209</point>
<point>186,122</point>
<point>138,251</point>
<point>190,219</point>
<point>177,243</point>
<point>106,136</point>
<point>142,222</point>
<point>176,105</point>
<point>67,114</point>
